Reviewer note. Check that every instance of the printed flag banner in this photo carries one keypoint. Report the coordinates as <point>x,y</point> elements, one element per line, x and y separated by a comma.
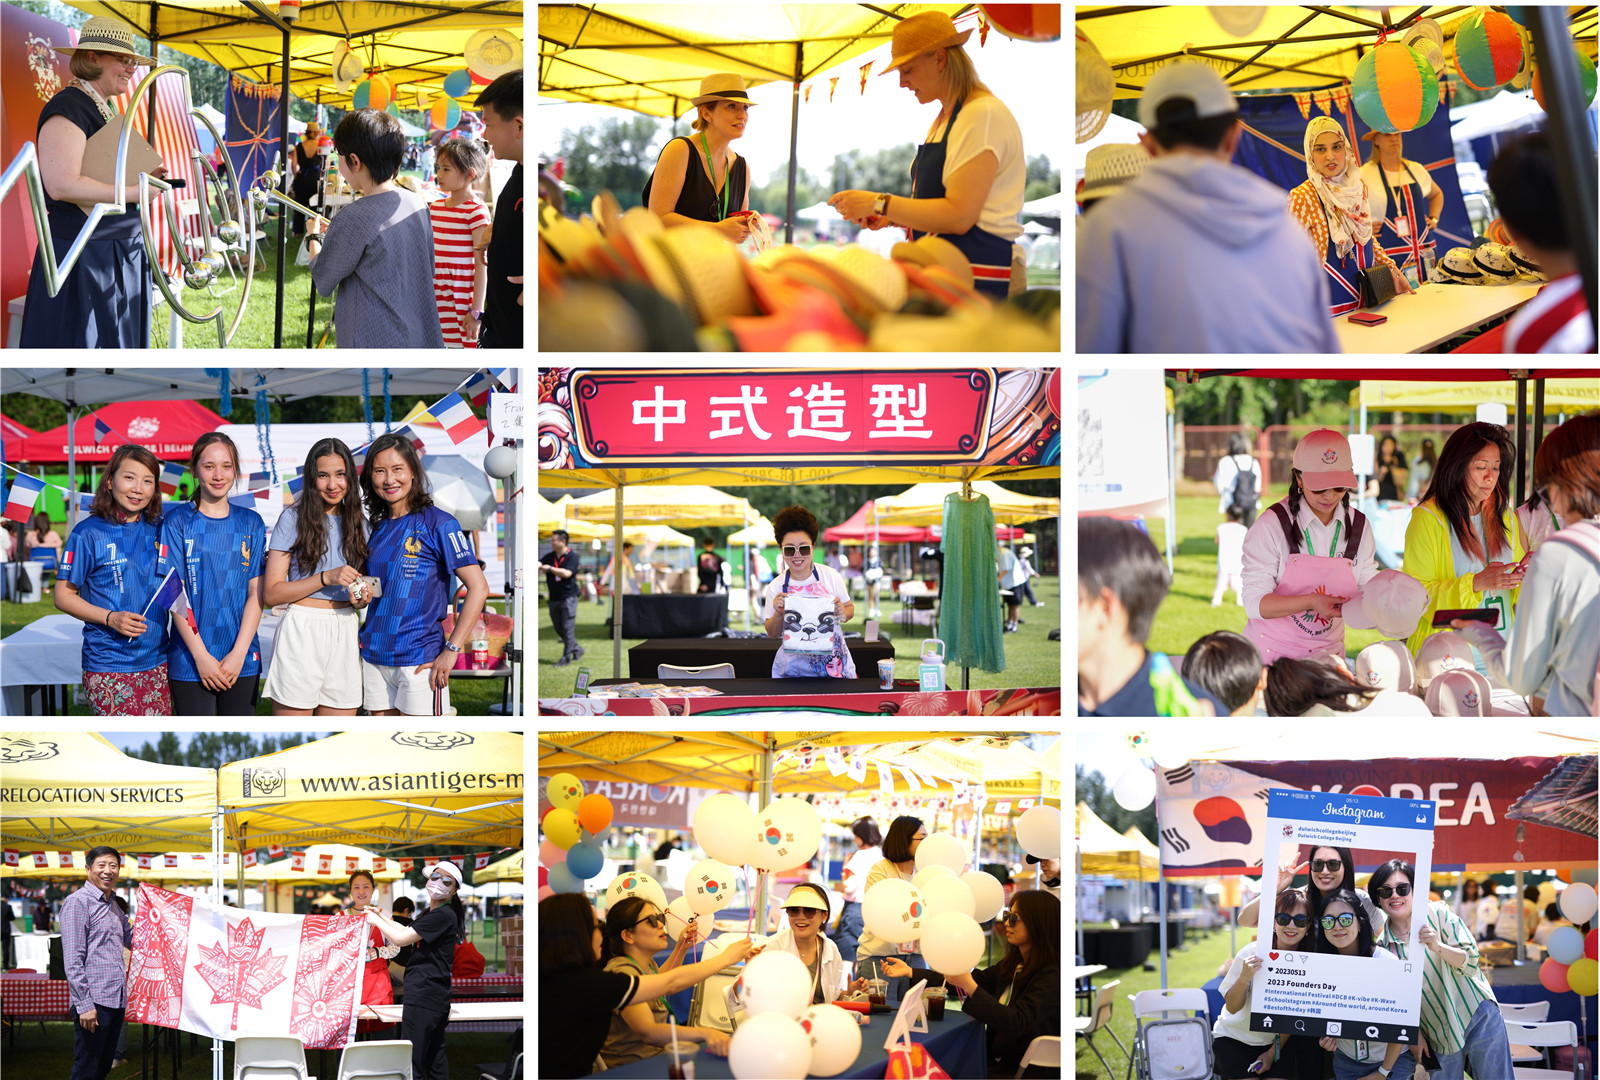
<point>25,492</point>
<point>325,863</point>
<point>297,862</point>
<point>64,859</point>
<point>480,861</point>
<point>11,857</point>
<point>351,864</point>
<point>406,865</point>
<point>457,418</point>
<point>40,859</point>
<point>224,972</point>
<point>144,862</point>
<point>379,863</point>
<point>250,857</point>
<point>170,859</point>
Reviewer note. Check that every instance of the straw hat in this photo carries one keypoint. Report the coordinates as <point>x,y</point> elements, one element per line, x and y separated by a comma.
<point>723,86</point>
<point>935,251</point>
<point>882,280</point>
<point>922,33</point>
<point>1096,88</point>
<point>708,268</point>
<point>346,67</point>
<point>492,53</point>
<point>103,34</point>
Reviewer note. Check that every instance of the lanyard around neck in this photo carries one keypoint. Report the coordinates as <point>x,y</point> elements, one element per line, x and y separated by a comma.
<point>727,174</point>
<point>1331,547</point>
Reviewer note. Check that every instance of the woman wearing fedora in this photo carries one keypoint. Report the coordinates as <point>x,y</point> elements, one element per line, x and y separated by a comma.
<point>105,300</point>
<point>968,177</point>
<point>702,179</point>
<point>1402,199</point>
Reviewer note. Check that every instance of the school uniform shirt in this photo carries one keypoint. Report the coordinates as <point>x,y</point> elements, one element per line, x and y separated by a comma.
<point>427,982</point>
<point>1450,995</point>
<point>827,975</point>
<point>217,558</point>
<point>416,557</point>
<point>114,566</point>
<point>1236,1025</point>
<point>1137,696</point>
<point>1556,320</point>
<point>287,531</point>
<point>1266,551</point>
<point>579,1003</point>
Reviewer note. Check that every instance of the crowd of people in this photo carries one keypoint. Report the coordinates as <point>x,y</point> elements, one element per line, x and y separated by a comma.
<point>1526,574</point>
<point>604,984</point>
<point>1181,250</point>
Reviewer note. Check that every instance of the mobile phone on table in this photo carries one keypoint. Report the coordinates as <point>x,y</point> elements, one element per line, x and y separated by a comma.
<point>1367,318</point>
<point>1488,615</point>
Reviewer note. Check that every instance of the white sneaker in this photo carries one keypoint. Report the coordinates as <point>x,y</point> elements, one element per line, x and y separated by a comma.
<point>1216,603</point>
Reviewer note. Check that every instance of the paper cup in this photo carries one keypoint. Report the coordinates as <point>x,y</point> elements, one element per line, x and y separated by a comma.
<point>886,674</point>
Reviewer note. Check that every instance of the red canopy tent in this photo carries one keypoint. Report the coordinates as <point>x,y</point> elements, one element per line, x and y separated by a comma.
<point>167,429</point>
<point>859,527</point>
<point>14,433</point>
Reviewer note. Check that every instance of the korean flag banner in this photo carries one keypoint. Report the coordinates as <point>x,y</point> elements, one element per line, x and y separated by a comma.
<point>1372,998</point>
<point>224,972</point>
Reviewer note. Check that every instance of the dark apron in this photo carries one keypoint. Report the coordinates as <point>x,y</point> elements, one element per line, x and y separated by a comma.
<point>989,255</point>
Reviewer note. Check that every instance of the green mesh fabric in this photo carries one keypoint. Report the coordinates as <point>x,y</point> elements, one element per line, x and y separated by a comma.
<point>969,610</point>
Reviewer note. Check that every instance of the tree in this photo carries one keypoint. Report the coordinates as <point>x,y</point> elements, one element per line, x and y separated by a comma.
<point>1093,789</point>
<point>773,196</point>
<point>887,171</point>
<point>1040,180</point>
<point>617,156</point>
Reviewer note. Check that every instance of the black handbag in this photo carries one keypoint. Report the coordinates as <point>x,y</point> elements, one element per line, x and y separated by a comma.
<point>1375,282</point>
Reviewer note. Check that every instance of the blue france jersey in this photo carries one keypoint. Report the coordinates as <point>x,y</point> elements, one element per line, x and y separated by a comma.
<point>217,557</point>
<point>114,566</point>
<point>415,557</point>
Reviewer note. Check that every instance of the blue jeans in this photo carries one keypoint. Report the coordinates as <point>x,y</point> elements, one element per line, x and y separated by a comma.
<point>1488,1047</point>
<point>1350,1069</point>
<point>848,935</point>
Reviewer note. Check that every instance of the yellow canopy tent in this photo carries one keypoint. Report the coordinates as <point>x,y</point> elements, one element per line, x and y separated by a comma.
<point>678,504</point>
<point>25,867</point>
<point>924,504</point>
<point>1568,395</point>
<point>1101,850</point>
<point>1011,771</point>
<point>72,790</point>
<point>387,789</point>
<point>657,536</point>
<point>759,533</point>
<point>506,869</point>
<point>555,515</point>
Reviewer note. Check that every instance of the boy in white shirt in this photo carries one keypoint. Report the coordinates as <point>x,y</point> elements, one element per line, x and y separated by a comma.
<point>1230,557</point>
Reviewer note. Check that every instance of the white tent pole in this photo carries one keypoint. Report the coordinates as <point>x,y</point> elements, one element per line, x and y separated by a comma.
<point>748,569</point>
<point>1161,894</point>
<point>72,461</point>
<point>764,793</point>
<point>616,593</point>
<point>515,593</point>
<point>1172,500</point>
<point>216,898</point>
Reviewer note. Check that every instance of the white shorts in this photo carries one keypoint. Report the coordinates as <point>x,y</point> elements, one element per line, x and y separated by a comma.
<point>404,688</point>
<point>316,659</point>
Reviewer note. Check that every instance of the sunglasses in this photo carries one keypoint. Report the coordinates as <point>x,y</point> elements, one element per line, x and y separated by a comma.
<point>1008,917</point>
<point>1298,920</point>
<point>791,551</point>
<point>1383,892</point>
<point>657,921</point>
<point>1345,921</point>
<point>793,911</point>
<point>1329,866</point>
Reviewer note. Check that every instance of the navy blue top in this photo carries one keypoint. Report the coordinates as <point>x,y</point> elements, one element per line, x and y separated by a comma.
<point>1137,697</point>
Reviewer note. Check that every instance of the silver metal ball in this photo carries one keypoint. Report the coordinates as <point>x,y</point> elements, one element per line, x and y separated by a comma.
<point>199,277</point>
<point>230,232</point>
<point>259,197</point>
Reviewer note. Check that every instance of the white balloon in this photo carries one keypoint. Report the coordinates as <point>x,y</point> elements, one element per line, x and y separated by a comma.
<point>948,894</point>
<point>928,873</point>
<point>942,849</point>
<point>835,1039</point>
<point>1170,751</point>
<point>1039,831</point>
<point>770,1047</point>
<point>1577,902</point>
<point>679,917</point>
<point>775,982</point>
<point>1134,789</point>
<point>725,827</point>
<point>893,909</point>
<point>952,943</point>
<point>787,833</point>
<point>708,886</point>
<point>634,883</point>
<point>988,895</point>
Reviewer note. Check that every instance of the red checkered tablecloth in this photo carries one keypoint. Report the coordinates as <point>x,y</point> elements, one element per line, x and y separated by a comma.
<point>32,996</point>
<point>489,987</point>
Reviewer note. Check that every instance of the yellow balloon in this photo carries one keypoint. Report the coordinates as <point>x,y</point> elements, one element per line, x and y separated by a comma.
<point>561,826</point>
<point>564,791</point>
<point>1582,977</point>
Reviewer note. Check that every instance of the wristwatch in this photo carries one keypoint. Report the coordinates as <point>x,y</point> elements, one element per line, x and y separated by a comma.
<point>452,646</point>
<point>880,205</point>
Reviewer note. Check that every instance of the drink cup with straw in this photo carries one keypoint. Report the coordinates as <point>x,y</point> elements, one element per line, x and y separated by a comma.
<point>677,1063</point>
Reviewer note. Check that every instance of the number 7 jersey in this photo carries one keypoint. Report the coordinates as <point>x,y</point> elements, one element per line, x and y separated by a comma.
<point>415,557</point>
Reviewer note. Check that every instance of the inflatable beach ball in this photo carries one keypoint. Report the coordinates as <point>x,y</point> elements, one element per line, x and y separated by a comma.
<point>1394,89</point>
<point>1585,77</point>
<point>1488,49</point>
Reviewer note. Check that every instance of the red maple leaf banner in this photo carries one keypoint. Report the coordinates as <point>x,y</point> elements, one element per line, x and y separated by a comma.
<point>236,973</point>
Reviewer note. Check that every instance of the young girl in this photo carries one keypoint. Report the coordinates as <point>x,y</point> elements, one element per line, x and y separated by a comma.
<point>375,987</point>
<point>217,548</point>
<point>318,549</point>
<point>107,576</point>
<point>460,223</point>
<point>414,549</point>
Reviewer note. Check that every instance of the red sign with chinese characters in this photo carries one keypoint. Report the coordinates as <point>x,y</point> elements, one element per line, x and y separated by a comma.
<point>724,417</point>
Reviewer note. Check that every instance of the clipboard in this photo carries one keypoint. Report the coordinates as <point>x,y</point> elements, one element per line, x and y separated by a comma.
<point>100,156</point>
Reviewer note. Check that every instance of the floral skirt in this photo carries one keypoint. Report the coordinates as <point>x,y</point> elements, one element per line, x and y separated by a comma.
<point>130,693</point>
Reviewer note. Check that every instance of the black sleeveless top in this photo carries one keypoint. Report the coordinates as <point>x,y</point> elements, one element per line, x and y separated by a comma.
<point>308,174</point>
<point>700,198</point>
<point>67,218</point>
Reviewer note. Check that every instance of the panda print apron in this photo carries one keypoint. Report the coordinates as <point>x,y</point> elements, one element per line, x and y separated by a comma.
<point>787,664</point>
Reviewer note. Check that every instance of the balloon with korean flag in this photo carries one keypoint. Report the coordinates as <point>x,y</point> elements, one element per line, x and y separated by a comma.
<point>634,883</point>
<point>708,886</point>
<point>788,832</point>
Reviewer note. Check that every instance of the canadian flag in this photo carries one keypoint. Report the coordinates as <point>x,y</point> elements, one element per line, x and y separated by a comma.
<point>40,859</point>
<point>325,863</point>
<point>64,859</point>
<point>406,865</point>
<point>144,862</point>
<point>480,860</point>
<point>297,862</point>
<point>225,972</point>
<point>171,860</point>
<point>250,857</point>
<point>275,851</point>
<point>11,857</point>
<point>351,863</point>
<point>378,863</point>
<point>428,863</point>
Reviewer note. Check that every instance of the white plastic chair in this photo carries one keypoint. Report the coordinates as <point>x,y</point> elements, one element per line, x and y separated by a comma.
<point>1161,1005</point>
<point>711,671</point>
<point>1045,1052</point>
<point>1553,1033</point>
<point>1533,1013</point>
<point>269,1057</point>
<point>388,1059</point>
<point>1099,1019</point>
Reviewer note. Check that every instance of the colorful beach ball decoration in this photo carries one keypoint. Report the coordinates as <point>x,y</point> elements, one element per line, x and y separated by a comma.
<point>1488,49</point>
<point>444,113</point>
<point>458,83</point>
<point>1395,89</point>
<point>373,93</point>
<point>1586,78</point>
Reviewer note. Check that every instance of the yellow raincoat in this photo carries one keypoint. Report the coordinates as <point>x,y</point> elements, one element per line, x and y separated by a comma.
<point>1429,560</point>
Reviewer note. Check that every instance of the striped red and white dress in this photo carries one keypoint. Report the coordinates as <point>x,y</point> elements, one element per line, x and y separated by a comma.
<point>453,262</point>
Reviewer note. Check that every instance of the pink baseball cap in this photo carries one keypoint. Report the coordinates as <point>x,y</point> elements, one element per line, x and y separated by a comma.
<point>1459,692</point>
<point>1441,652</point>
<point>1323,458</point>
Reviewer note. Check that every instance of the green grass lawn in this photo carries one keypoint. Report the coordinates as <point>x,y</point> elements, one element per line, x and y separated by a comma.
<point>1192,966</point>
<point>469,698</point>
<point>1187,614</point>
<point>1031,658</point>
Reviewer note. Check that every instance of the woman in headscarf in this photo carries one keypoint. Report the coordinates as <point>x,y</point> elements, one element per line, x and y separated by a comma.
<point>1332,206</point>
<point>305,165</point>
<point>702,179</point>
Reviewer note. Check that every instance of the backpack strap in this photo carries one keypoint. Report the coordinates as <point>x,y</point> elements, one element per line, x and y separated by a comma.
<point>1281,512</point>
<point>1358,529</point>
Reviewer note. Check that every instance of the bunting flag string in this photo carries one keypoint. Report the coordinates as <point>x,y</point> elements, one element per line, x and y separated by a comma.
<point>833,84</point>
<point>808,93</point>
<point>866,69</point>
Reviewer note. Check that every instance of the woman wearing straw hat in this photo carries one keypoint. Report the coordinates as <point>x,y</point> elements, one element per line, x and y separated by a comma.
<point>702,179</point>
<point>966,186</point>
<point>105,300</point>
<point>305,165</point>
<point>1402,199</point>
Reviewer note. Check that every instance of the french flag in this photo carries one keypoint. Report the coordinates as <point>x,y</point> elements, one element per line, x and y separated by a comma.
<point>25,491</point>
<point>507,378</point>
<point>457,418</point>
<point>476,388</point>
<point>101,430</point>
<point>173,597</point>
<point>171,475</point>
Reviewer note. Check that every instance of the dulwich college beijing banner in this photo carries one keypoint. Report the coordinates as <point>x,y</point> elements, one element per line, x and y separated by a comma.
<point>225,972</point>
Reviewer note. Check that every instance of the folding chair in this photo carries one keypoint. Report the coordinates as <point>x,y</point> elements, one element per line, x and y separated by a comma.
<point>384,1059</point>
<point>269,1057</point>
<point>1099,1019</point>
<point>712,671</point>
<point>1533,1013</point>
<point>1553,1033</point>
<point>1162,1005</point>
<point>1044,1051</point>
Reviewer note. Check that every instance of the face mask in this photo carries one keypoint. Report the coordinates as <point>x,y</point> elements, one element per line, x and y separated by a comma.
<point>438,890</point>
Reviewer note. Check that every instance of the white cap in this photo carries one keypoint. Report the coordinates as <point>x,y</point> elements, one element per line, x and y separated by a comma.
<point>1444,651</point>
<point>452,869</point>
<point>1190,79</point>
<point>1459,692</point>
<point>1391,603</point>
<point>1323,458</point>
<point>1391,703</point>
<point>1386,665</point>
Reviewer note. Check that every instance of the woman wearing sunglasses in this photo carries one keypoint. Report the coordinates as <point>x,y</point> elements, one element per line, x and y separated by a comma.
<point>1461,1020</point>
<point>807,909</point>
<point>1345,931</point>
<point>797,531</point>
<point>1330,868</point>
<point>1234,1046</point>
<point>635,932</point>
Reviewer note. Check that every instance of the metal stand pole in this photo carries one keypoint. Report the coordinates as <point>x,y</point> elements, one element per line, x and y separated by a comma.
<point>283,218</point>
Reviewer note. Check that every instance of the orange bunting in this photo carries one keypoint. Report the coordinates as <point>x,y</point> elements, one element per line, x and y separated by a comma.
<point>983,30</point>
<point>866,69</point>
<point>833,84</point>
<point>808,93</point>
<point>1303,99</point>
